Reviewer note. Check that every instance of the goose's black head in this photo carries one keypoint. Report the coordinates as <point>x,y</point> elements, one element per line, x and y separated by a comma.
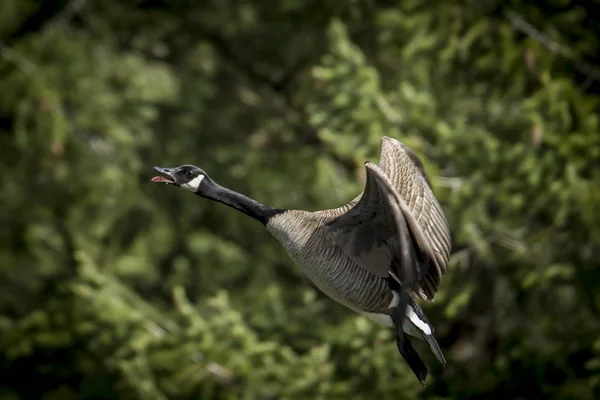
<point>188,177</point>
<point>197,181</point>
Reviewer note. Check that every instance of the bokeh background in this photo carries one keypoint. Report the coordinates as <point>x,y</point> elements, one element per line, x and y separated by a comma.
<point>113,288</point>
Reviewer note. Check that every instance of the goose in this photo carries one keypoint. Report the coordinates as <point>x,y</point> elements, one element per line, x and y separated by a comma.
<point>376,255</point>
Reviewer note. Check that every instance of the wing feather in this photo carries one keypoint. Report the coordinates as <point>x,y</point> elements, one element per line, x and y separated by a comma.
<point>397,227</point>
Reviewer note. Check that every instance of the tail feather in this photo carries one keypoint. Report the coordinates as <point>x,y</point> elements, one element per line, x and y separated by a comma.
<point>420,324</point>
<point>408,317</point>
<point>406,349</point>
<point>412,358</point>
<point>435,348</point>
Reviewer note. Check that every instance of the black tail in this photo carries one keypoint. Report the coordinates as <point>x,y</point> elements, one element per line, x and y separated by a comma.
<point>407,351</point>
<point>428,336</point>
<point>435,348</point>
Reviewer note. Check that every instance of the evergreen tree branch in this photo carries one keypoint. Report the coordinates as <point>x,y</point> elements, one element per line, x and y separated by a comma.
<point>519,23</point>
<point>280,87</point>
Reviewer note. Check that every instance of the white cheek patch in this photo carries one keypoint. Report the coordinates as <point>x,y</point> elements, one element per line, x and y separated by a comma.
<point>194,184</point>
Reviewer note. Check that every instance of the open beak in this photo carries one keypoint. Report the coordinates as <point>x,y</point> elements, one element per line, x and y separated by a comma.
<point>167,178</point>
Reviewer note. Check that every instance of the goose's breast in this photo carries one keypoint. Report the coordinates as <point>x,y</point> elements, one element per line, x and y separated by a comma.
<point>332,271</point>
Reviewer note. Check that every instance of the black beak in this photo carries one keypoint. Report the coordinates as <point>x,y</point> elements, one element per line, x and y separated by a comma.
<point>168,179</point>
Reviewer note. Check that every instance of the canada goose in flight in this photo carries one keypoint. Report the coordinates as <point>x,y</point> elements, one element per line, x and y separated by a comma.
<point>374,255</point>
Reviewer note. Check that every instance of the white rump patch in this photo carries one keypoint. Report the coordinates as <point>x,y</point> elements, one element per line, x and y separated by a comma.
<point>194,184</point>
<point>414,326</point>
<point>419,323</point>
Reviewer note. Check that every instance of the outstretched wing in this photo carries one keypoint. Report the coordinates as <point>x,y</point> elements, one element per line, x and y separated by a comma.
<point>397,227</point>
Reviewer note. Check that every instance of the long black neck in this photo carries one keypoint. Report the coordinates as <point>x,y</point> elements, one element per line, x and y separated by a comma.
<point>245,204</point>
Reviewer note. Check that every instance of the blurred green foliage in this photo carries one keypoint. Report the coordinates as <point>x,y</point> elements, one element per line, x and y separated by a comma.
<point>114,288</point>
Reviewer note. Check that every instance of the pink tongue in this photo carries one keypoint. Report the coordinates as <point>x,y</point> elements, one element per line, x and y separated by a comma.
<point>159,179</point>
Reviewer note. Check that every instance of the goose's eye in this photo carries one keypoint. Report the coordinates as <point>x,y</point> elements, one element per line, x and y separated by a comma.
<point>188,173</point>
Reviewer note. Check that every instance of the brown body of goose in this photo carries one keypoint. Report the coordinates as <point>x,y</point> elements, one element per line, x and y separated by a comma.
<point>306,238</point>
<point>374,255</point>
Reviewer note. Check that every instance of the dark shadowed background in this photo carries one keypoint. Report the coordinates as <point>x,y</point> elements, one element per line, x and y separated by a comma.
<point>111,287</point>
